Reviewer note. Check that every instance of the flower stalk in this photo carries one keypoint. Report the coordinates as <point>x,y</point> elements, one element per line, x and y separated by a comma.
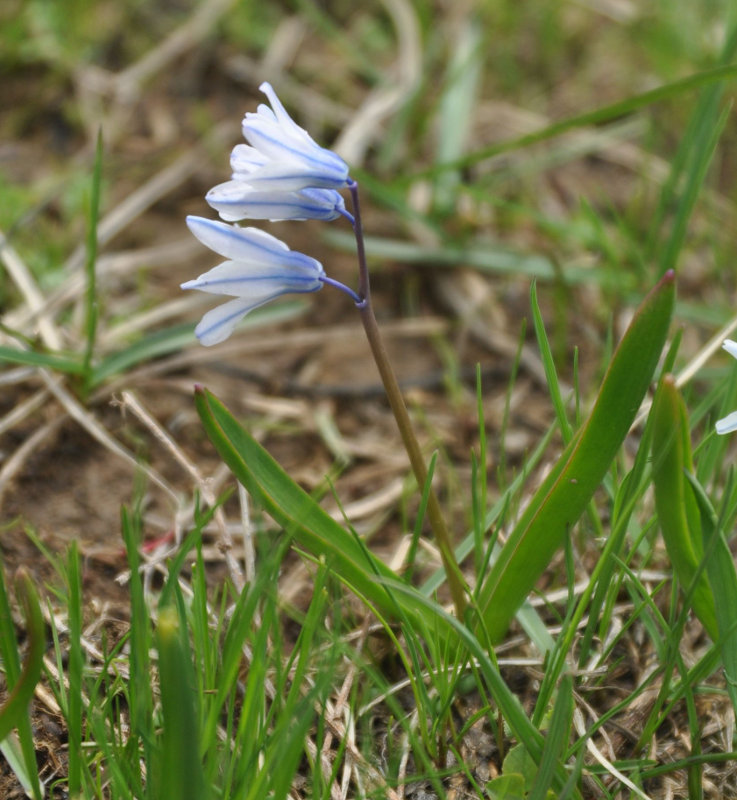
<point>401,415</point>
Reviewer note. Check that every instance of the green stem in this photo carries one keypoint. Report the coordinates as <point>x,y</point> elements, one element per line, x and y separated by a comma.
<point>399,409</point>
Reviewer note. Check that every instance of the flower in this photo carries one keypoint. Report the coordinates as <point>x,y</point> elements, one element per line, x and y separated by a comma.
<point>281,156</point>
<point>260,268</point>
<point>728,423</point>
<point>236,200</point>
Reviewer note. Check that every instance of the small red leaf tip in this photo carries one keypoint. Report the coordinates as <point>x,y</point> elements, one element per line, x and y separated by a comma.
<point>668,278</point>
<point>199,388</point>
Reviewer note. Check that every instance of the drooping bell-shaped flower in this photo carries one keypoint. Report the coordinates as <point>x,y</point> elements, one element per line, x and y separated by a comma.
<point>259,268</point>
<point>281,156</point>
<point>728,423</point>
<point>236,200</point>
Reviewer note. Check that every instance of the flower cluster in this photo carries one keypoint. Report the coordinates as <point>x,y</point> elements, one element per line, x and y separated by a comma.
<point>281,174</point>
<point>729,423</point>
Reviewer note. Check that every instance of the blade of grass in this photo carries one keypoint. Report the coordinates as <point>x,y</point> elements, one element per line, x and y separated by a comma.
<point>74,670</point>
<point>595,117</point>
<point>91,304</point>
<point>178,337</point>
<point>31,358</point>
<point>556,741</point>
<point>693,156</point>
<point>551,375</point>
<point>140,639</point>
<point>702,150</point>
<point>153,345</point>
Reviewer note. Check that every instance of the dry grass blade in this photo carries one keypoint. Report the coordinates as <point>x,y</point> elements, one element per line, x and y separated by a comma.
<point>21,276</point>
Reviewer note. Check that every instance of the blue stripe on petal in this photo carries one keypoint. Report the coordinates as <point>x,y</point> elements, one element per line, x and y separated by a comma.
<point>236,200</point>
<point>233,278</point>
<point>240,244</point>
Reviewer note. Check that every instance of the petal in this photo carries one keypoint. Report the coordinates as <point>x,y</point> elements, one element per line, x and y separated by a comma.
<point>237,200</point>
<point>244,159</point>
<point>730,347</point>
<point>218,324</point>
<point>292,176</point>
<point>274,134</point>
<point>250,282</point>
<point>280,112</point>
<point>279,148</point>
<point>240,244</point>
<point>727,424</point>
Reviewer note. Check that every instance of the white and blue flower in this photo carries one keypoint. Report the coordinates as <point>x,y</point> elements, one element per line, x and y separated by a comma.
<point>728,423</point>
<point>281,156</point>
<point>259,268</point>
<point>236,200</point>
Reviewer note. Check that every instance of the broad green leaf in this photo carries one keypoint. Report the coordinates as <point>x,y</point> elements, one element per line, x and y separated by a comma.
<point>507,787</point>
<point>677,510</point>
<point>519,762</point>
<point>299,514</point>
<point>181,767</point>
<point>565,492</point>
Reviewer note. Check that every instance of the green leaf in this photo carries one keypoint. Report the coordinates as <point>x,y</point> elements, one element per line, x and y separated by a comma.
<point>723,579</point>
<point>674,499</point>
<point>91,304</point>
<point>181,767</point>
<point>31,358</point>
<point>20,751</point>
<point>565,492</point>
<point>556,742</point>
<point>520,763</point>
<point>300,515</point>
<point>507,787</point>
<point>151,346</point>
<point>15,708</point>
